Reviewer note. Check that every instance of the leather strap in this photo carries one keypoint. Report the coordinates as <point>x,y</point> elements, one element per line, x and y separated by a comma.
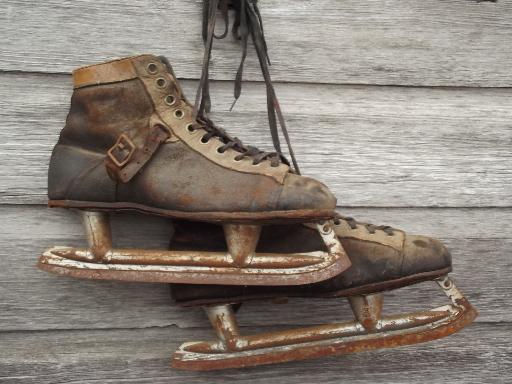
<point>125,159</point>
<point>110,72</point>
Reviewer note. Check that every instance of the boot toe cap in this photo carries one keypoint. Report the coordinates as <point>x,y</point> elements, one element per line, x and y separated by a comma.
<point>304,193</point>
<point>424,254</point>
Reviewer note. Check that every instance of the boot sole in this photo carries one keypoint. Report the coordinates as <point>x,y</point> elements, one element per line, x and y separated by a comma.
<point>361,290</point>
<point>301,215</point>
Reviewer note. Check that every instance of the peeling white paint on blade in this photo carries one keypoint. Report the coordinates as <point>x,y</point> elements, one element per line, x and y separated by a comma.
<point>52,259</point>
<point>235,350</point>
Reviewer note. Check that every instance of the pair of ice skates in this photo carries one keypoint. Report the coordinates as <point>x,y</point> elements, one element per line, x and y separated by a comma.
<point>247,226</point>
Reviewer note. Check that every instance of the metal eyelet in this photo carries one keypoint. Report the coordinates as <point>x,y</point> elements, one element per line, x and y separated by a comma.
<point>203,141</point>
<point>325,228</point>
<point>179,114</point>
<point>190,128</point>
<point>152,68</point>
<point>220,152</point>
<point>161,82</point>
<point>170,100</point>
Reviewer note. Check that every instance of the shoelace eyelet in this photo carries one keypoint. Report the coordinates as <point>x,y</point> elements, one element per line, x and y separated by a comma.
<point>170,100</point>
<point>161,82</point>
<point>152,68</point>
<point>178,114</point>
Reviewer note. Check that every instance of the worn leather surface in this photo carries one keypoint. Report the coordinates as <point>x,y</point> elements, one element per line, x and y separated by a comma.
<point>179,125</point>
<point>110,72</point>
<point>373,259</point>
<point>170,168</point>
<point>360,232</point>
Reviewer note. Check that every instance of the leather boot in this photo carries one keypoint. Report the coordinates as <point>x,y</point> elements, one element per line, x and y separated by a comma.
<point>382,258</point>
<point>132,141</point>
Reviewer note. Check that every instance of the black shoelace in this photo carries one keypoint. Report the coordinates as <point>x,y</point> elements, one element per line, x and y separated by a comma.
<point>211,130</point>
<point>247,23</point>
<point>234,143</point>
<point>371,228</point>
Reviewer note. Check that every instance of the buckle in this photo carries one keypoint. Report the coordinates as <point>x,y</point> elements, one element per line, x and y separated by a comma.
<point>122,151</point>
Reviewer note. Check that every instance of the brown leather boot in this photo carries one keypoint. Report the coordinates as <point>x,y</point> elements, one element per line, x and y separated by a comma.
<point>382,257</point>
<point>132,142</point>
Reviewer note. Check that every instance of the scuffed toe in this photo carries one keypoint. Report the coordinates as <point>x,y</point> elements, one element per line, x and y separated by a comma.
<point>301,192</point>
<point>424,254</point>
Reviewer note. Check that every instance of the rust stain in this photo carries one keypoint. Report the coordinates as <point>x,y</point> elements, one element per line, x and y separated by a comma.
<point>298,352</point>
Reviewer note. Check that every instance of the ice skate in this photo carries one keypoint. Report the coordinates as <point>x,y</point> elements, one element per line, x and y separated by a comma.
<point>133,142</point>
<point>383,258</point>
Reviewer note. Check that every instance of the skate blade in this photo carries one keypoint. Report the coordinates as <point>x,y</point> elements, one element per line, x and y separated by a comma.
<point>192,267</point>
<point>238,266</point>
<point>333,339</point>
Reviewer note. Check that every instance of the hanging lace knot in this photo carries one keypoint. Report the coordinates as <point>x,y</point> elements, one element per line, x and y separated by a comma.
<point>247,24</point>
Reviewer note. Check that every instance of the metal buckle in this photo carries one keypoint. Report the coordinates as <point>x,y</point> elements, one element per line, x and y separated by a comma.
<point>123,143</point>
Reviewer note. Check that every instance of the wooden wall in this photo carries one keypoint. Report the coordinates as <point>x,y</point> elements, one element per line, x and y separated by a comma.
<point>403,108</point>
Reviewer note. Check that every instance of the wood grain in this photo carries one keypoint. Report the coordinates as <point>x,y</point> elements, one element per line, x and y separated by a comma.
<point>401,107</point>
<point>34,300</point>
<point>456,42</point>
<point>478,354</point>
<point>374,146</point>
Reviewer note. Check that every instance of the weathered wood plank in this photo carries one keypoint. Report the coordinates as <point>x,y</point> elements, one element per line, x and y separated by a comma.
<point>479,354</point>
<point>33,300</point>
<point>374,146</point>
<point>455,42</point>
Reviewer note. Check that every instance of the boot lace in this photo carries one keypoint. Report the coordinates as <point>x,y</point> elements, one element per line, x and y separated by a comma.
<point>371,228</point>
<point>247,23</point>
<point>211,130</point>
<point>236,144</point>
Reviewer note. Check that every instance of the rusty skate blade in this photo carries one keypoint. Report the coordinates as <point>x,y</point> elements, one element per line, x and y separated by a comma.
<point>321,269</point>
<point>331,339</point>
<point>240,265</point>
<point>192,267</point>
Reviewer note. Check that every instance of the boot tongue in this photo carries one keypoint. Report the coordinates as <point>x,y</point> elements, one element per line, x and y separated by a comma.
<point>167,63</point>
